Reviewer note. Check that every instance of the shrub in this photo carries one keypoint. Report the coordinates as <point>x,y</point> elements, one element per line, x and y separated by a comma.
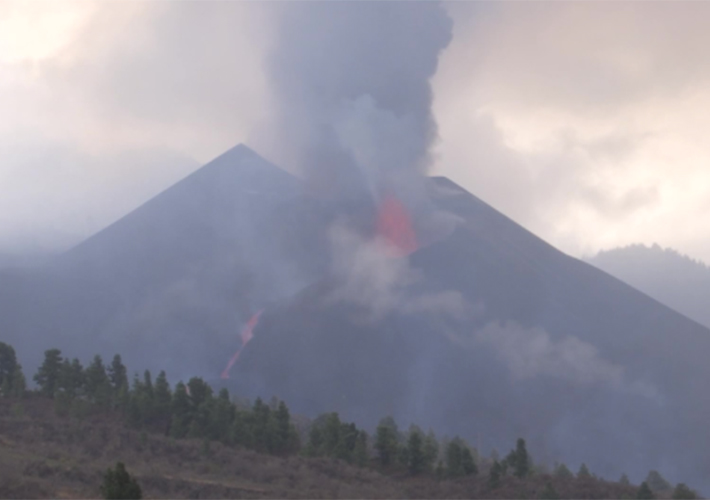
<point>118,484</point>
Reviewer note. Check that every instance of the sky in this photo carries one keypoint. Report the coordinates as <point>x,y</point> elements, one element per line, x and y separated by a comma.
<point>584,122</point>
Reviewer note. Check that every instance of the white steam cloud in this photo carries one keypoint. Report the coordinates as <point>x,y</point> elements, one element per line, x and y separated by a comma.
<point>531,353</point>
<point>370,278</point>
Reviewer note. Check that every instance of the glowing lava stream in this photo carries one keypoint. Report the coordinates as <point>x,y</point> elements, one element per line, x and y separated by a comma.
<point>394,225</point>
<point>247,335</point>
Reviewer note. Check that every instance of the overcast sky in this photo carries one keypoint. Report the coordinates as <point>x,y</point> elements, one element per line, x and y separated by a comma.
<point>585,122</point>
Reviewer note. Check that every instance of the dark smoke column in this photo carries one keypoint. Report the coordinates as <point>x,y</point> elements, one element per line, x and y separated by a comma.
<point>353,99</point>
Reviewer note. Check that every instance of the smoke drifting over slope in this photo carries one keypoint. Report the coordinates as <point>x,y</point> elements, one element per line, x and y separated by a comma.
<point>352,92</point>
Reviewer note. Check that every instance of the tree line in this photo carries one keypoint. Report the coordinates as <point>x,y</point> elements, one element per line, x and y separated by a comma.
<point>192,410</point>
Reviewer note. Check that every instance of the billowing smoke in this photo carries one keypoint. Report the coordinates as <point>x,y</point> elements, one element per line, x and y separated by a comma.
<point>353,98</point>
<point>530,353</point>
<point>371,277</point>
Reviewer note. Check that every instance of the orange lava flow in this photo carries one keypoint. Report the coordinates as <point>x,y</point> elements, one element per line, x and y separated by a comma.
<point>247,335</point>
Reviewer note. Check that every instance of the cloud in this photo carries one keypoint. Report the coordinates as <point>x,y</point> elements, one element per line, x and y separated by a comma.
<point>112,103</point>
<point>588,138</point>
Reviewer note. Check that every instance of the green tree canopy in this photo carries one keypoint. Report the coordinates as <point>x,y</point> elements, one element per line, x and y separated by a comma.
<point>644,492</point>
<point>583,471</point>
<point>467,462</point>
<point>8,367</point>
<point>47,376</point>
<point>494,475</point>
<point>98,387</point>
<point>117,374</point>
<point>118,484</point>
<point>453,456</point>
<point>657,482</point>
<point>682,492</point>
<point>521,467</point>
<point>386,441</point>
<point>72,379</point>
<point>415,451</point>
<point>549,493</point>
<point>19,383</point>
<point>562,471</point>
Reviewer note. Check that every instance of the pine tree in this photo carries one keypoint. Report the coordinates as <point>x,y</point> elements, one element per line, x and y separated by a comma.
<point>549,493</point>
<point>454,458</point>
<point>98,387</point>
<point>148,385</point>
<point>162,402</point>
<point>314,447</point>
<point>415,451</point>
<point>47,377</point>
<point>261,414</point>
<point>521,468</point>
<point>494,475</point>
<point>71,378</point>
<point>346,442</point>
<point>19,383</point>
<point>331,428</point>
<point>644,492</point>
<point>563,472</point>
<point>242,429</point>
<point>467,463</point>
<point>361,457</point>
<point>181,412</point>
<point>583,472</point>
<point>8,367</point>
<point>200,391</point>
<point>431,450</point>
<point>682,492</point>
<point>117,374</point>
<point>118,484</point>
<point>223,417</point>
<point>439,471</point>
<point>657,482</point>
<point>624,479</point>
<point>386,441</point>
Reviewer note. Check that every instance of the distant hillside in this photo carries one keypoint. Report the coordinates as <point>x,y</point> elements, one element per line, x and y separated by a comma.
<point>668,276</point>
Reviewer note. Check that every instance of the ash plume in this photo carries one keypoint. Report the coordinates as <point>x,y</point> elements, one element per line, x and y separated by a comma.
<point>352,93</point>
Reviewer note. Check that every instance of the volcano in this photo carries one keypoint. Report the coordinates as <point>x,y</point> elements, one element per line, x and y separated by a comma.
<point>488,332</point>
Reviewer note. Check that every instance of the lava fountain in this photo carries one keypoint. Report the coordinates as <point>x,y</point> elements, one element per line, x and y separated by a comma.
<point>394,226</point>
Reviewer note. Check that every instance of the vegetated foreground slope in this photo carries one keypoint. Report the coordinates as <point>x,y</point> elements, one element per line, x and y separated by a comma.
<point>662,273</point>
<point>44,455</point>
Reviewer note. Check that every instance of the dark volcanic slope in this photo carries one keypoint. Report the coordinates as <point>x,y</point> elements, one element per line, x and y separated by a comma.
<point>170,284</point>
<point>549,348</point>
